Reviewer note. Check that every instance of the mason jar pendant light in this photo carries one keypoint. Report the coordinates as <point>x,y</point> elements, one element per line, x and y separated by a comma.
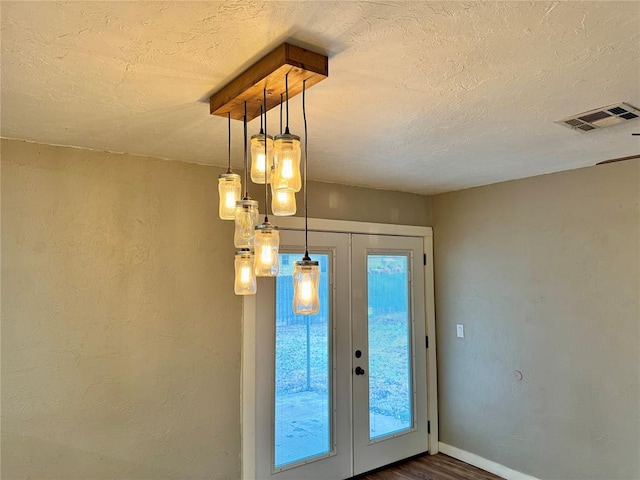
<point>306,276</point>
<point>261,154</point>
<point>267,237</point>
<point>246,213</point>
<point>286,156</point>
<point>246,218</point>
<point>283,202</point>
<point>245,282</point>
<point>229,187</point>
<point>267,246</point>
<point>306,272</point>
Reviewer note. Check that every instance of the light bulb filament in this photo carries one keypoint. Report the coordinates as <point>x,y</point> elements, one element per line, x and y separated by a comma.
<point>230,199</point>
<point>245,274</point>
<point>266,255</point>
<point>306,290</point>
<point>287,168</point>
<point>261,163</point>
<point>283,197</point>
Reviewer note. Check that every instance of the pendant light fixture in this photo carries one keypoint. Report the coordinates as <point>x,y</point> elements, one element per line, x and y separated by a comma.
<point>261,154</point>
<point>306,272</point>
<point>267,237</point>
<point>275,163</point>
<point>286,154</point>
<point>246,214</point>
<point>229,187</point>
<point>283,202</point>
<point>245,282</point>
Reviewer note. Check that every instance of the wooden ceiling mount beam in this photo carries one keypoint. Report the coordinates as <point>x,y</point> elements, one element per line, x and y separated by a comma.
<point>269,72</point>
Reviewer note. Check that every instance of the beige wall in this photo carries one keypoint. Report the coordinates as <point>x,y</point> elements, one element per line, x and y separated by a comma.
<point>544,273</point>
<point>120,339</point>
<point>345,202</point>
<point>120,331</point>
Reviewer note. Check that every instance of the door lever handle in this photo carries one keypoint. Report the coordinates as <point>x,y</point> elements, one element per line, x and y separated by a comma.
<point>360,371</point>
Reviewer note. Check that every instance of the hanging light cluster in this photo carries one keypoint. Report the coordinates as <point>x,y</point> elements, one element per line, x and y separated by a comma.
<point>259,243</point>
<point>275,163</point>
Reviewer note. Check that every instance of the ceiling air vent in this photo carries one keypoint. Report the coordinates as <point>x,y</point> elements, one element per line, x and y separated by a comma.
<point>601,117</point>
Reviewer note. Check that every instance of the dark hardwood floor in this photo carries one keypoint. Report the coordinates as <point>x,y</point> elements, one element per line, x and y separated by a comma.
<point>430,467</point>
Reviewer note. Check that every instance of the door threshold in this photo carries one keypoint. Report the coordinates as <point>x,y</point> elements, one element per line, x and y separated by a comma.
<point>393,464</point>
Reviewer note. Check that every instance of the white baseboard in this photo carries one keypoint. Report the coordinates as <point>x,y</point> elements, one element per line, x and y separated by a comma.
<point>483,463</point>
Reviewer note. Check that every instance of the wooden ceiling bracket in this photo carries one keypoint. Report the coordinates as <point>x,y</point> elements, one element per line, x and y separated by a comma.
<point>269,72</point>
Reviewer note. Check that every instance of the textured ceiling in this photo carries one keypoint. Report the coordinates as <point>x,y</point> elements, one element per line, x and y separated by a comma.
<point>423,97</point>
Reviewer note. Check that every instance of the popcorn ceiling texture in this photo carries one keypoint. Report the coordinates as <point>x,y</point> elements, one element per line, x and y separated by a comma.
<point>424,97</point>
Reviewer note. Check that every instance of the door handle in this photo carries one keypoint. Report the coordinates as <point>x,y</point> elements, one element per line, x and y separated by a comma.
<point>359,371</point>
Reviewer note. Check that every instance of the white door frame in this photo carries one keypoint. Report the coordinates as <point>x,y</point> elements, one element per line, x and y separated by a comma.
<point>248,359</point>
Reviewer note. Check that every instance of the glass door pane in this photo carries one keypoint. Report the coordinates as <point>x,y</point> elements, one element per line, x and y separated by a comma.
<point>303,394</point>
<point>389,338</point>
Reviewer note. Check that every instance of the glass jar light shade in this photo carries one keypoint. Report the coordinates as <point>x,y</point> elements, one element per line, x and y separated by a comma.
<point>283,202</point>
<point>259,163</point>
<point>245,282</point>
<point>229,191</point>
<point>267,244</point>
<point>286,156</point>
<point>306,276</point>
<point>246,217</point>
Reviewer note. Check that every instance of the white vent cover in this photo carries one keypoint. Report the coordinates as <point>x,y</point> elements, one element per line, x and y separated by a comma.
<point>601,117</point>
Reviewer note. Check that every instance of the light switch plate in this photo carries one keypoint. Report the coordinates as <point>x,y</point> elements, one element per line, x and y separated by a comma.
<point>460,331</point>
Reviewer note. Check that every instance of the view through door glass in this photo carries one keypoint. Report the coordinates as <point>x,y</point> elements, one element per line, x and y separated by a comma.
<point>344,391</point>
<point>389,341</point>
<point>303,394</point>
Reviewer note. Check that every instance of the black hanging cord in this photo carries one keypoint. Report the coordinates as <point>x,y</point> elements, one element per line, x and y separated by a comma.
<point>229,143</point>
<point>246,184</point>
<point>306,217</point>
<point>286,90</point>
<point>266,166</point>
<point>281,113</point>
<point>261,131</point>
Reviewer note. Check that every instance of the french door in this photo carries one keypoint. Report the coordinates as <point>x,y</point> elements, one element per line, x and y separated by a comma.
<point>388,325</point>
<point>344,391</point>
